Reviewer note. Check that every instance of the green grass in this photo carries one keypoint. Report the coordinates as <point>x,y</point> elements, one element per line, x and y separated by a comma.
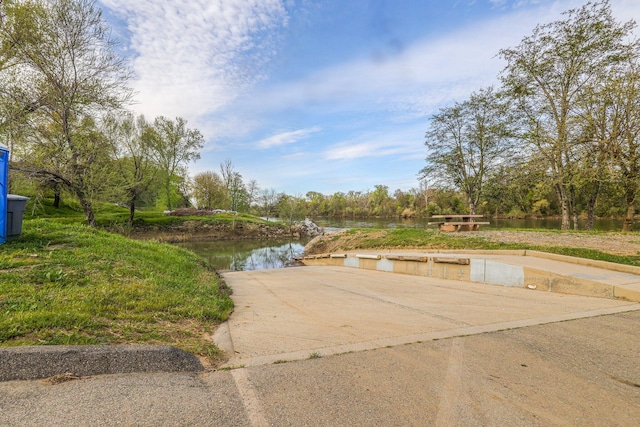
<point>115,218</point>
<point>70,284</point>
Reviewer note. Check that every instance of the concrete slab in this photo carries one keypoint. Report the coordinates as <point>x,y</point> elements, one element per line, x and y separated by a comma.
<point>536,270</point>
<point>290,314</point>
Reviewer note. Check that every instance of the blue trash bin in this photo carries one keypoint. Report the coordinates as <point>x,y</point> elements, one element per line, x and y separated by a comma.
<point>4,182</point>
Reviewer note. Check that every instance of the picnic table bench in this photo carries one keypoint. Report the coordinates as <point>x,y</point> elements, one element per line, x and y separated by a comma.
<point>464,222</point>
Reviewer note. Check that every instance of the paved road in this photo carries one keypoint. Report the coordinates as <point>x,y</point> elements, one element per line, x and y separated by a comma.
<point>458,354</point>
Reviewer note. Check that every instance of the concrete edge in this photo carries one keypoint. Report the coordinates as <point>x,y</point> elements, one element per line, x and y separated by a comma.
<point>620,268</point>
<point>38,362</point>
<point>222,339</point>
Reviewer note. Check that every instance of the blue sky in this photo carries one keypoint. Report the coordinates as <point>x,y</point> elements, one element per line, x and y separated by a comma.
<point>319,95</point>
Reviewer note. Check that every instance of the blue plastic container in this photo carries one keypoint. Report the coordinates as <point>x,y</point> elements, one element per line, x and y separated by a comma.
<point>4,183</point>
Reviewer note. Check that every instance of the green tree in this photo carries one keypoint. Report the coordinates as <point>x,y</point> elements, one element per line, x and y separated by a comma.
<point>291,208</point>
<point>61,70</point>
<point>209,191</point>
<point>174,146</point>
<point>467,141</point>
<point>545,74</point>
<point>612,110</point>
<point>131,141</point>
<point>379,200</point>
<point>268,200</point>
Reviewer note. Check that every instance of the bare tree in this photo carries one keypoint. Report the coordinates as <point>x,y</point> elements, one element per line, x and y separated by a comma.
<point>268,199</point>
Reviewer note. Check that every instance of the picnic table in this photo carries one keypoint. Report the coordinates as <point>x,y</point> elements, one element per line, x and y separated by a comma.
<point>464,222</point>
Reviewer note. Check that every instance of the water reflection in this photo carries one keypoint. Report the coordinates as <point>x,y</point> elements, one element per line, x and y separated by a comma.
<point>243,255</point>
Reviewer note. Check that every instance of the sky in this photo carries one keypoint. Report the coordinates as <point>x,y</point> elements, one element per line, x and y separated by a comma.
<point>319,95</point>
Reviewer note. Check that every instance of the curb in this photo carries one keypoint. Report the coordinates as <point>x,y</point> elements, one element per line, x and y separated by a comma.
<point>37,362</point>
<point>222,339</point>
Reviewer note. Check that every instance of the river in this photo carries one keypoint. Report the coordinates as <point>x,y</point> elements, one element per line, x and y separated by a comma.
<point>243,255</point>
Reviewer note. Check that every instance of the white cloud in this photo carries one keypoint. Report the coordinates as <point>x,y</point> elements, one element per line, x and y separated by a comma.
<point>426,75</point>
<point>415,82</point>
<point>406,143</point>
<point>287,138</point>
<point>193,57</point>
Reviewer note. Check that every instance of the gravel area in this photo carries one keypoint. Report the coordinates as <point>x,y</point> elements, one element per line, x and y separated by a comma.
<point>614,243</point>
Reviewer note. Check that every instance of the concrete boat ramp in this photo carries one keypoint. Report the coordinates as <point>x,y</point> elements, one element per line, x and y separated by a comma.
<point>389,339</point>
<point>349,302</point>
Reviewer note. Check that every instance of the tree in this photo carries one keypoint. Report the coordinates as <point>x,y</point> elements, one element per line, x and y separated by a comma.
<point>236,190</point>
<point>268,200</point>
<point>379,200</point>
<point>131,141</point>
<point>545,74</point>
<point>618,119</point>
<point>291,208</point>
<point>209,191</point>
<point>315,202</point>
<point>467,141</point>
<point>173,147</point>
<point>252,190</point>
<point>60,70</point>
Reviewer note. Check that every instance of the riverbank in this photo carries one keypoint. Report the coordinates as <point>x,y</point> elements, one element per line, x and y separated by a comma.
<point>623,248</point>
<point>198,230</point>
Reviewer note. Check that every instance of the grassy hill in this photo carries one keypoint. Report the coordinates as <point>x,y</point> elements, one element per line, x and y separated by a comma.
<point>64,283</point>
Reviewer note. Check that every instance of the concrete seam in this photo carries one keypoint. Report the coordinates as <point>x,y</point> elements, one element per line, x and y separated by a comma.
<point>249,399</point>
<point>446,415</point>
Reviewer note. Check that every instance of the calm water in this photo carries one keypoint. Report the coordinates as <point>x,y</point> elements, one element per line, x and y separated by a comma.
<point>243,255</point>
<point>265,254</point>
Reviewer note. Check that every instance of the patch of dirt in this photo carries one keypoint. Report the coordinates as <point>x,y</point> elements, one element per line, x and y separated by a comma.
<point>196,230</point>
<point>61,378</point>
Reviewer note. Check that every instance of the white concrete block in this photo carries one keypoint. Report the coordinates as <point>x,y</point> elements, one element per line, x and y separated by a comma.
<point>384,265</point>
<point>498,273</point>
<point>352,262</point>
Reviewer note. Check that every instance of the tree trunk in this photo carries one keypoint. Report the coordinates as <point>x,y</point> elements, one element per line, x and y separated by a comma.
<point>561,192</point>
<point>573,207</point>
<point>591,206</point>
<point>627,225</point>
<point>87,208</point>
<point>472,208</point>
<point>132,212</point>
<point>56,197</point>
